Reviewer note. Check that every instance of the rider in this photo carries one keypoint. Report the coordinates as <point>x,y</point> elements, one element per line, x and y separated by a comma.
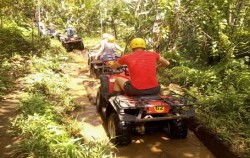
<point>108,49</point>
<point>70,31</point>
<point>42,29</point>
<point>142,67</point>
<point>51,30</point>
<point>103,41</point>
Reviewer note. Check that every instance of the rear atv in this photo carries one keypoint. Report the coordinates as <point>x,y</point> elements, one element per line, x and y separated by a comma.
<point>125,115</point>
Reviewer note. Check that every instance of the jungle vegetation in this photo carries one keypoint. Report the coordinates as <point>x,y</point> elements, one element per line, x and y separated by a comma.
<point>207,43</point>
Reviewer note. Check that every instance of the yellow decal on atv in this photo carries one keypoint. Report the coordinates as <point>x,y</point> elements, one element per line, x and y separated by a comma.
<point>159,109</point>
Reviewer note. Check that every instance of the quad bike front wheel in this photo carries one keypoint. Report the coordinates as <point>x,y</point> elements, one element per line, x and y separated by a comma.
<point>119,131</point>
<point>177,129</point>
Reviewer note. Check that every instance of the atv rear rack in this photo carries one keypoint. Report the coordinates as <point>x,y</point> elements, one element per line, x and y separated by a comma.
<point>121,104</point>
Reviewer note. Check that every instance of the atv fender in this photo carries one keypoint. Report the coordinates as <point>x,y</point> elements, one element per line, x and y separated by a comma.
<point>120,111</point>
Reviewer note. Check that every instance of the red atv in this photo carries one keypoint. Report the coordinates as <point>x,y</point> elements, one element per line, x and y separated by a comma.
<point>125,115</point>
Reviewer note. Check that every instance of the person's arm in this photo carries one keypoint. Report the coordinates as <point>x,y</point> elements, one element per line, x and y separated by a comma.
<point>162,62</point>
<point>97,46</point>
<point>118,47</point>
<point>99,51</point>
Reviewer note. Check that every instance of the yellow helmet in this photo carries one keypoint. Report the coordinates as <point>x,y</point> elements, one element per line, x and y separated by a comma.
<point>138,43</point>
<point>111,39</point>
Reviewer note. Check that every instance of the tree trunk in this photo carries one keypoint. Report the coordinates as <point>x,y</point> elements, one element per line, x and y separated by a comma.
<point>114,26</point>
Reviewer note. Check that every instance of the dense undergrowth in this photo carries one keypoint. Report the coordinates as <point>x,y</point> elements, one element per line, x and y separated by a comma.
<point>222,93</point>
<point>44,125</point>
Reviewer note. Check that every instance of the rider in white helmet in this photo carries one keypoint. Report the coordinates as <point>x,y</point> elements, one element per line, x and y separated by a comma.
<point>108,49</point>
<point>103,41</point>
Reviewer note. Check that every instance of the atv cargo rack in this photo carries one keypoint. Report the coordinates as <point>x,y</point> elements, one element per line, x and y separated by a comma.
<point>181,110</point>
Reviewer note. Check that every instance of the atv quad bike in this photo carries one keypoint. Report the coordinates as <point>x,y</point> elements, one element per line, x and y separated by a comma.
<point>72,43</point>
<point>100,67</point>
<point>125,115</point>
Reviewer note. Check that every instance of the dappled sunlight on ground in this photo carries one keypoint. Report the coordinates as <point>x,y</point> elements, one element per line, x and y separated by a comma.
<point>94,132</point>
<point>156,145</point>
<point>8,111</point>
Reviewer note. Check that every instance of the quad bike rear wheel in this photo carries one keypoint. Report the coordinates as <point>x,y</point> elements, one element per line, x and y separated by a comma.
<point>119,131</point>
<point>104,88</point>
<point>100,101</point>
<point>80,45</point>
<point>69,48</point>
<point>176,129</point>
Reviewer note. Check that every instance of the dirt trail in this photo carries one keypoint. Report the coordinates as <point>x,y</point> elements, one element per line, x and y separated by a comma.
<point>154,145</point>
<point>8,111</point>
<point>83,89</point>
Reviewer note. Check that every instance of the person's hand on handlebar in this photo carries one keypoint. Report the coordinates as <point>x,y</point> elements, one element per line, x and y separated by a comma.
<point>115,65</point>
<point>110,63</point>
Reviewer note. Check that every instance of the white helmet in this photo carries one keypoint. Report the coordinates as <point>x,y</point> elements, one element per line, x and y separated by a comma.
<point>105,35</point>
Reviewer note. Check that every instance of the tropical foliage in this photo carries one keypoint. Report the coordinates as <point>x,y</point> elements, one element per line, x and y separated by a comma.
<point>207,43</point>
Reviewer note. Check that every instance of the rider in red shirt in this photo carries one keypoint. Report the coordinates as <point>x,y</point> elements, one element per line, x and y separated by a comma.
<point>142,67</point>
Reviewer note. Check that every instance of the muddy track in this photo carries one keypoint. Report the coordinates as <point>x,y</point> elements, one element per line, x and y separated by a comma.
<point>153,145</point>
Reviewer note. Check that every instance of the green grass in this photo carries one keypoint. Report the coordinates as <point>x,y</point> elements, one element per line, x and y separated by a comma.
<point>44,124</point>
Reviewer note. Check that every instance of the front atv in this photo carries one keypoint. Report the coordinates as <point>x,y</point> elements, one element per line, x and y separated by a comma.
<point>125,115</point>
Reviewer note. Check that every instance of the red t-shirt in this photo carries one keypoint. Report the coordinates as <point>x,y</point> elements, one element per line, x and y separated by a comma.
<point>142,68</point>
